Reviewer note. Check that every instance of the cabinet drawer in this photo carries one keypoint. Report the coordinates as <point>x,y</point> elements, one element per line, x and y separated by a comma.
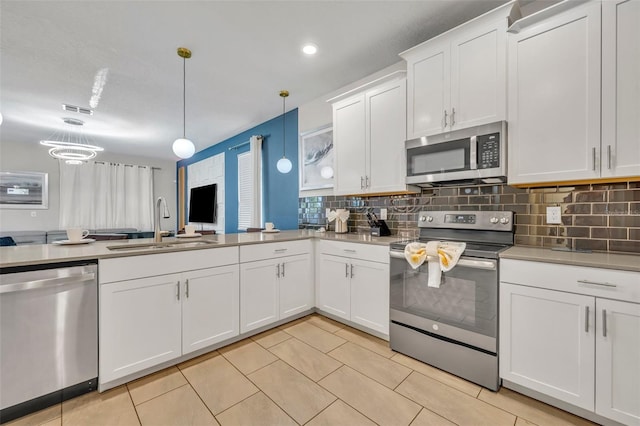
<point>149,265</point>
<point>370,252</point>
<point>598,282</point>
<point>252,252</point>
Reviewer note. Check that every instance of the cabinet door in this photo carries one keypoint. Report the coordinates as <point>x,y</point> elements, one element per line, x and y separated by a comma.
<point>296,285</point>
<point>370,294</point>
<point>140,325</point>
<point>258,294</point>
<point>554,98</point>
<point>478,75</point>
<point>618,361</point>
<point>349,142</point>
<point>333,285</point>
<point>620,88</point>
<point>210,310</point>
<point>429,90</point>
<point>547,342</point>
<point>386,133</point>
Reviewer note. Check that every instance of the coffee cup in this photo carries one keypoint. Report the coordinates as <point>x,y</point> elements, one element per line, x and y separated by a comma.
<point>76,234</point>
<point>189,229</point>
<point>268,226</point>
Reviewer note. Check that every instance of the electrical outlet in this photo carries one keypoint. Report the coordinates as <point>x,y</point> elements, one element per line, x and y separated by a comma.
<point>554,215</point>
<point>383,214</point>
<point>33,214</point>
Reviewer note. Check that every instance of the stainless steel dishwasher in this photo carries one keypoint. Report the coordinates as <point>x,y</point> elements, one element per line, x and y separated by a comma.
<point>48,335</point>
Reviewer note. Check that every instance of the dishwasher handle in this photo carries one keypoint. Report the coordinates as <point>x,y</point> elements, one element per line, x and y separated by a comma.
<point>46,283</point>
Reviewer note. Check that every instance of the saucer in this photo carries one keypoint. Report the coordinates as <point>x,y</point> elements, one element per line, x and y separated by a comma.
<point>272,231</point>
<point>69,242</point>
<point>194,235</point>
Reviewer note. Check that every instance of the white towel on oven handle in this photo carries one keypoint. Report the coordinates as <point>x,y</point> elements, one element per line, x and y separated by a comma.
<point>442,256</point>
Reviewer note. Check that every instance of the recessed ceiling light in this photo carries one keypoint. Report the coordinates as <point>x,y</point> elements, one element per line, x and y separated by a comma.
<point>310,49</point>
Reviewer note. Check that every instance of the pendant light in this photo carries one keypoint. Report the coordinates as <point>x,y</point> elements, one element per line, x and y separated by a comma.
<point>183,147</point>
<point>284,164</point>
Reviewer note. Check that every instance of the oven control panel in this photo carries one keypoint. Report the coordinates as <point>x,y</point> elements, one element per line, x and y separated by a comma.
<point>481,220</point>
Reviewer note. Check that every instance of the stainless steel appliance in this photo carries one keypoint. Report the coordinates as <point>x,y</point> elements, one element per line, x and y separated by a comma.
<point>48,335</point>
<point>475,154</point>
<point>453,327</point>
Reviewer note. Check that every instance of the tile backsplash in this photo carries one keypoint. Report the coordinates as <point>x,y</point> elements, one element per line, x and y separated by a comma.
<point>598,217</point>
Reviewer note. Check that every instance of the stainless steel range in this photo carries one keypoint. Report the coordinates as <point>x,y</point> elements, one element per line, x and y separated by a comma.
<point>453,327</point>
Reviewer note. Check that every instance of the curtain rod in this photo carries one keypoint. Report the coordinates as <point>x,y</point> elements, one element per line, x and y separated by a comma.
<point>127,165</point>
<point>246,143</point>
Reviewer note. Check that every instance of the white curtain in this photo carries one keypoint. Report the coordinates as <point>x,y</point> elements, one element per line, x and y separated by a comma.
<point>256,159</point>
<point>250,186</point>
<point>106,195</point>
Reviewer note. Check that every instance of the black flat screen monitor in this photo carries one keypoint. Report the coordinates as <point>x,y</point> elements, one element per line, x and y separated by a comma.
<point>202,204</point>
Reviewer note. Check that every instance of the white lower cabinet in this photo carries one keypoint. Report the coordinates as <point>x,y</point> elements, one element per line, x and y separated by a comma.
<point>352,288</point>
<point>564,334</point>
<point>148,320</point>
<point>276,282</point>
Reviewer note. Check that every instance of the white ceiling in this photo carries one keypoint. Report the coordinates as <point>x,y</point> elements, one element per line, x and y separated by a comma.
<point>244,53</point>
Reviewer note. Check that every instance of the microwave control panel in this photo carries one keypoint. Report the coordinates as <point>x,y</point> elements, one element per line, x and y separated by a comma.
<point>488,151</point>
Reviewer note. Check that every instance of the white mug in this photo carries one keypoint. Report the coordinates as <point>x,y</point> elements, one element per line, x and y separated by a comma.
<point>268,226</point>
<point>76,234</point>
<point>189,229</point>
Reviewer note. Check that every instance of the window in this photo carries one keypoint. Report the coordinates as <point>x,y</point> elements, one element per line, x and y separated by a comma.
<point>250,186</point>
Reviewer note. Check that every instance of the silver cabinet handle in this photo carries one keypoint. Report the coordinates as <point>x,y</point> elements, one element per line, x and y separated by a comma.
<point>444,119</point>
<point>453,117</point>
<point>586,319</point>
<point>593,152</point>
<point>45,283</point>
<point>604,323</point>
<point>361,182</point>
<point>282,273</point>
<point>349,250</point>
<point>597,283</point>
<point>352,270</point>
<point>346,270</point>
<point>609,157</point>
<point>186,288</point>
<point>178,290</point>
<point>278,270</point>
<point>282,250</point>
<point>366,181</point>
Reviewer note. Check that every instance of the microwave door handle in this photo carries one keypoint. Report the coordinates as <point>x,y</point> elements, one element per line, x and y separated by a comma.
<point>473,153</point>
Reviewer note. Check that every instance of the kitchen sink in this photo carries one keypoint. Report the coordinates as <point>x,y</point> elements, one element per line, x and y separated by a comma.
<point>163,245</point>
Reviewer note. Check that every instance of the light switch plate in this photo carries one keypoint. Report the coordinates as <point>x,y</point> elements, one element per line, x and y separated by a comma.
<point>383,214</point>
<point>554,215</point>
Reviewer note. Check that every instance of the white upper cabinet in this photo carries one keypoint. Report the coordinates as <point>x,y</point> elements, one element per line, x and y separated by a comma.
<point>458,79</point>
<point>369,128</point>
<point>574,97</point>
<point>620,88</point>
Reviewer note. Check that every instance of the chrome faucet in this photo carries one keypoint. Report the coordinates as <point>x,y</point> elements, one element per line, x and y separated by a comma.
<point>157,234</point>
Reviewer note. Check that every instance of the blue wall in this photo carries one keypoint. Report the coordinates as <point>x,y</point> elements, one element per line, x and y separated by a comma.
<point>280,191</point>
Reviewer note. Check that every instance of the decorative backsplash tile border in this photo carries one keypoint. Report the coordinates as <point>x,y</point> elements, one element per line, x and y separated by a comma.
<point>598,217</point>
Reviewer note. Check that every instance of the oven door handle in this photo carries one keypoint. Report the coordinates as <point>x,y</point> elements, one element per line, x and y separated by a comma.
<point>474,263</point>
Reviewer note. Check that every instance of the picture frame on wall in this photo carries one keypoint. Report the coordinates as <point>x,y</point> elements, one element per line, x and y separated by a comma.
<point>24,190</point>
<point>317,158</point>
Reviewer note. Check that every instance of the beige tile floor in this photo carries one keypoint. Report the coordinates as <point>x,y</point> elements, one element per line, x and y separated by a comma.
<point>313,371</point>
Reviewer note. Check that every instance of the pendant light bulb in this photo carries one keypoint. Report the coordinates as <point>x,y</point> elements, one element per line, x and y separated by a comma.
<point>284,164</point>
<point>183,147</point>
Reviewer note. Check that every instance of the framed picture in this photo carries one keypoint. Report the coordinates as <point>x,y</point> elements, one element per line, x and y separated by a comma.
<point>316,158</point>
<point>24,190</point>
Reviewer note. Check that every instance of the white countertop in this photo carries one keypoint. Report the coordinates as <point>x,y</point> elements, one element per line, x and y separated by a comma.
<point>34,254</point>
<point>626,262</point>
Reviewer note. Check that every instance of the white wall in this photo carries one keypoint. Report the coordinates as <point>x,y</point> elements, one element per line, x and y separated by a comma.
<point>32,157</point>
<point>318,112</point>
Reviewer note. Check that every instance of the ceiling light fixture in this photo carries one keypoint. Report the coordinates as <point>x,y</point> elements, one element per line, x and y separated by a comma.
<point>183,147</point>
<point>310,49</point>
<point>284,164</point>
<point>71,146</point>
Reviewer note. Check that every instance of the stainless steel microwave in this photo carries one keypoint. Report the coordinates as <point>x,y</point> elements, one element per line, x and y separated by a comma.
<point>475,154</point>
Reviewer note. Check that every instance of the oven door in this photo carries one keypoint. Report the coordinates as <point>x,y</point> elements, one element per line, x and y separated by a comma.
<point>463,309</point>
